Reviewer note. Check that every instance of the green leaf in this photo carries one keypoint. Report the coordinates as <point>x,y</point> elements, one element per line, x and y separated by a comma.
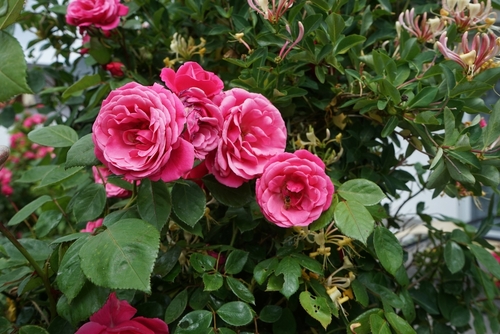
<point>235,197</point>
<point>31,329</point>
<point>212,282</point>
<point>424,98</point>
<point>362,191</point>
<point>354,220</point>
<point>460,316</point>
<point>459,172</point>
<point>379,325</point>
<point>9,12</point>
<point>12,66</point>
<point>235,262</point>
<point>450,132</point>
<point>346,43</point>
<point>240,290</point>
<point>316,307</point>
<point>291,271</point>
<point>188,202</point>
<point>399,325</point>
<point>364,320</point>
<point>129,248</point>
<point>202,262</point>
<point>439,176</point>
<point>70,278</point>
<point>54,136</point>
<point>465,157</point>
<point>154,203</point>
<point>58,174</point>
<point>176,306</point>
<point>454,256</point>
<point>492,131</point>
<point>35,174</point>
<point>335,24</point>
<point>196,322</point>
<point>264,269</point>
<point>389,127</point>
<point>308,263</point>
<point>270,313</point>
<point>486,259</point>
<point>28,209</point>
<point>236,313</point>
<point>47,221</point>
<point>437,158</point>
<point>409,307</point>
<point>360,292</point>
<point>326,217</point>
<point>426,297</point>
<point>81,153</point>
<point>78,87</point>
<point>388,249</point>
<point>388,89</point>
<point>488,175</point>
<point>89,203</point>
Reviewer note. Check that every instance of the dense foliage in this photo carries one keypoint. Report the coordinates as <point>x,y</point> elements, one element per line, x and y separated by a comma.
<point>231,166</point>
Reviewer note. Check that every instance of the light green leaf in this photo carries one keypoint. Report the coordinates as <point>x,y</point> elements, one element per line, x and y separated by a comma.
<point>399,325</point>
<point>454,256</point>
<point>128,247</point>
<point>212,282</point>
<point>459,172</point>
<point>58,174</point>
<point>437,158</point>
<point>54,136</point>
<point>236,313</point>
<point>176,306</point>
<point>188,202</point>
<point>354,220</point>
<point>492,131</point>
<point>35,174</point>
<point>196,322</point>
<point>335,24</point>
<point>486,259</point>
<point>388,249</point>
<point>264,269</point>
<point>450,132</point>
<point>308,263</point>
<point>31,329</point>
<point>316,307</point>
<point>424,98</point>
<point>236,261</point>
<point>78,87</point>
<point>154,203</point>
<point>240,290</point>
<point>362,191</point>
<point>389,127</point>
<point>12,65</point>
<point>89,203</point>
<point>82,153</point>
<point>28,209</point>
<point>346,43</point>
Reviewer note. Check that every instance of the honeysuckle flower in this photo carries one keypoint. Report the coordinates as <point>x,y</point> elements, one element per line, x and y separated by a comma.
<point>273,14</point>
<point>425,30</point>
<point>468,15</point>
<point>480,55</point>
<point>287,47</point>
<point>186,49</point>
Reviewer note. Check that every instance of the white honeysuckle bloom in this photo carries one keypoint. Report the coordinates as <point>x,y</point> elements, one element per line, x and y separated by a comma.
<point>273,14</point>
<point>466,14</point>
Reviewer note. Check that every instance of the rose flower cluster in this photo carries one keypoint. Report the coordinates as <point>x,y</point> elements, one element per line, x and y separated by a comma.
<point>158,133</point>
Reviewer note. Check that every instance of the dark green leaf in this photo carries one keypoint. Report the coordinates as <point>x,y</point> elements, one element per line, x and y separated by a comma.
<point>58,174</point>
<point>12,65</point>
<point>270,313</point>
<point>176,306</point>
<point>265,268</point>
<point>388,249</point>
<point>486,259</point>
<point>399,325</point>
<point>235,197</point>
<point>154,203</point>
<point>240,290</point>
<point>290,269</point>
<point>236,313</point>
<point>202,262</point>
<point>378,325</point>
<point>389,127</point>
<point>212,281</point>
<point>31,329</point>
<point>195,322</point>
<point>47,221</point>
<point>82,153</point>
<point>424,98</point>
<point>343,45</point>
<point>188,202</point>
<point>454,256</point>
<point>89,203</point>
<point>28,209</point>
<point>236,261</point>
<point>492,131</point>
<point>70,278</point>
<point>325,219</point>
<point>82,84</point>
<point>128,247</point>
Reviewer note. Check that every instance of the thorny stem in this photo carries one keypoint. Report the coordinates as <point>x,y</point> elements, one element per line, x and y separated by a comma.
<point>39,271</point>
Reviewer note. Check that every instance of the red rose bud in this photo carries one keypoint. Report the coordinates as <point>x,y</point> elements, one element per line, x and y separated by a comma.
<point>115,68</point>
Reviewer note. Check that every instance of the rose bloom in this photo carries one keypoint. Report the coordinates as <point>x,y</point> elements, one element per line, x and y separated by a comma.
<point>204,121</point>
<point>115,68</point>
<point>116,317</point>
<point>253,132</point>
<point>104,14</point>
<point>137,134</point>
<point>34,120</point>
<point>294,189</point>
<point>112,190</point>
<point>192,75</point>
<point>92,226</point>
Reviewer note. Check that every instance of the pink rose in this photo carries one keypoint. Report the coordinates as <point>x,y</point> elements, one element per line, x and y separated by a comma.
<point>253,133</point>
<point>190,75</point>
<point>137,134</point>
<point>17,139</point>
<point>112,190</point>
<point>482,123</point>
<point>34,120</point>
<point>104,14</point>
<point>116,317</point>
<point>294,189</point>
<point>92,226</point>
<point>204,121</point>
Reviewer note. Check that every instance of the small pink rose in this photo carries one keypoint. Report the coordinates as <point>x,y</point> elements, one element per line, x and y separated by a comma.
<point>192,75</point>
<point>253,132</point>
<point>92,226</point>
<point>104,14</point>
<point>204,121</point>
<point>294,189</point>
<point>112,190</point>
<point>115,68</point>
<point>137,134</point>
<point>116,316</point>
<point>482,123</point>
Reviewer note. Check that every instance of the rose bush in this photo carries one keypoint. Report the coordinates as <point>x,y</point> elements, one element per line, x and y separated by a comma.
<point>265,152</point>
